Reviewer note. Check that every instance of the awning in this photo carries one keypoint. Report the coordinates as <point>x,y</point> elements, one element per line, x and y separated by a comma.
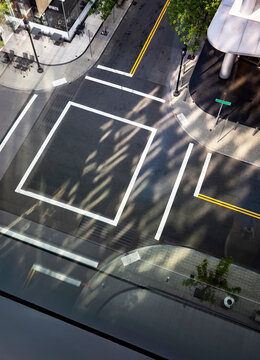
<point>42,5</point>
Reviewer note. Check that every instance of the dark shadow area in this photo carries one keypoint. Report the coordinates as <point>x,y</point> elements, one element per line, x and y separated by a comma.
<point>240,89</point>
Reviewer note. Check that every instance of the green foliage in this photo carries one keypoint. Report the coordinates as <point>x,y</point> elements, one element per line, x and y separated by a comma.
<point>208,280</point>
<point>191,19</point>
<point>102,7</point>
<point>4,9</point>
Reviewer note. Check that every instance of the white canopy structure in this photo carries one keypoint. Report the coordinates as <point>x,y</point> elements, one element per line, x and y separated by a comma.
<point>235,30</point>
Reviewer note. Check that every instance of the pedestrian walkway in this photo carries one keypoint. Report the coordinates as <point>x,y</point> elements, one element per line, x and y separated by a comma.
<point>223,136</point>
<point>63,63</point>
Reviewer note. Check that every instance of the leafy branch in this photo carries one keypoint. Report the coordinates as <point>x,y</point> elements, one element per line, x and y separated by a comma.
<point>102,7</point>
<point>209,280</point>
<point>191,18</point>
<point>5,6</point>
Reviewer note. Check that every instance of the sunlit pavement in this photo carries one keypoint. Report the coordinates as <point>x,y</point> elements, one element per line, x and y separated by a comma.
<point>60,63</point>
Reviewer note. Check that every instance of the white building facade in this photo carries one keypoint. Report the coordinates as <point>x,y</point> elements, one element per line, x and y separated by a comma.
<point>235,30</point>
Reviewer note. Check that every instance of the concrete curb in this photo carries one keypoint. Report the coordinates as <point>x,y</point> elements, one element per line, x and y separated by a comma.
<point>226,138</point>
<point>72,69</point>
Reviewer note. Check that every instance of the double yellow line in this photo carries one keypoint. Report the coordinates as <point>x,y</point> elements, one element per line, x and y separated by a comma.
<point>140,56</point>
<point>229,206</point>
<point>29,277</point>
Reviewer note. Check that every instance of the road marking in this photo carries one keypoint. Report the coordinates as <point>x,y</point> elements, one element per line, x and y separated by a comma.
<point>114,71</point>
<point>103,82</point>
<point>66,206</point>
<point>134,177</point>
<point>59,82</point>
<point>111,116</point>
<point>17,121</point>
<point>50,248</point>
<point>131,258</point>
<point>56,275</point>
<point>202,175</point>
<point>174,192</point>
<point>215,201</point>
<point>29,277</point>
<point>228,206</point>
<point>39,197</point>
<point>144,48</point>
<point>182,119</point>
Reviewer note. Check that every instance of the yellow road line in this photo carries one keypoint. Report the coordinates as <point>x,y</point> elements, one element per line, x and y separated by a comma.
<point>140,56</point>
<point>236,207</point>
<point>29,277</point>
<point>229,206</point>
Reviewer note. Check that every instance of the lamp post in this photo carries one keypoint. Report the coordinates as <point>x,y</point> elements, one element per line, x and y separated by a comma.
<point>183,53</point>
<point>64,15</point>
<point>27,28</point>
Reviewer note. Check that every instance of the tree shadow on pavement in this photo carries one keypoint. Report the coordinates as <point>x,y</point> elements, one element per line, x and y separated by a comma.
<point>239,89</point>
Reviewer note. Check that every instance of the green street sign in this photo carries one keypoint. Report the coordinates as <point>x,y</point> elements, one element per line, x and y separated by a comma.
<point>223,102</point>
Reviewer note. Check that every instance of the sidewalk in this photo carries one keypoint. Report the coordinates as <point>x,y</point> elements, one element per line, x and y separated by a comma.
<point>152,276</point>
<point>69,61</point>
<point>228,138</point>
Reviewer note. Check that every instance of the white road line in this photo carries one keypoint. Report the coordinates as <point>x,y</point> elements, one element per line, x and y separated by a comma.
<point>59,82</point>
<point>53,249</point>
<point>17,121</point>
<point>134,177</point>
<point>56,275</point>
<point>46,199</point>
<point>111,116</point>
<point>40,151</point>
<point>66,206</point>
<point>103,82</point>
<point>202,175</point>
<point>114,71</point>
<point>173,193</point>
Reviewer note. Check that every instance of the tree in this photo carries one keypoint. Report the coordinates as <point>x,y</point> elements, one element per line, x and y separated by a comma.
<point>209,280</point>
<point>191,19</point>
<point>4,9</point>
<point>102,7</point>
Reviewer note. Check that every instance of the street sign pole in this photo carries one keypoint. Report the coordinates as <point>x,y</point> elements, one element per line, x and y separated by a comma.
<point>216,123</point>
<point>221,102</point>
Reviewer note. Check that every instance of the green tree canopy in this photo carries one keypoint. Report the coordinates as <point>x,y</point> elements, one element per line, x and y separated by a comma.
<point>4,9</point>
<point>102,7</point>
<point>191,19</point>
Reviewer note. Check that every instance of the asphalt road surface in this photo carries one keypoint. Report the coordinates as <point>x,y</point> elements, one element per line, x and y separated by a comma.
<point>105,168</point>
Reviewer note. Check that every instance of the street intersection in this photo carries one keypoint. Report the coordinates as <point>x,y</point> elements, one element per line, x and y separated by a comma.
<point>104,168</point>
